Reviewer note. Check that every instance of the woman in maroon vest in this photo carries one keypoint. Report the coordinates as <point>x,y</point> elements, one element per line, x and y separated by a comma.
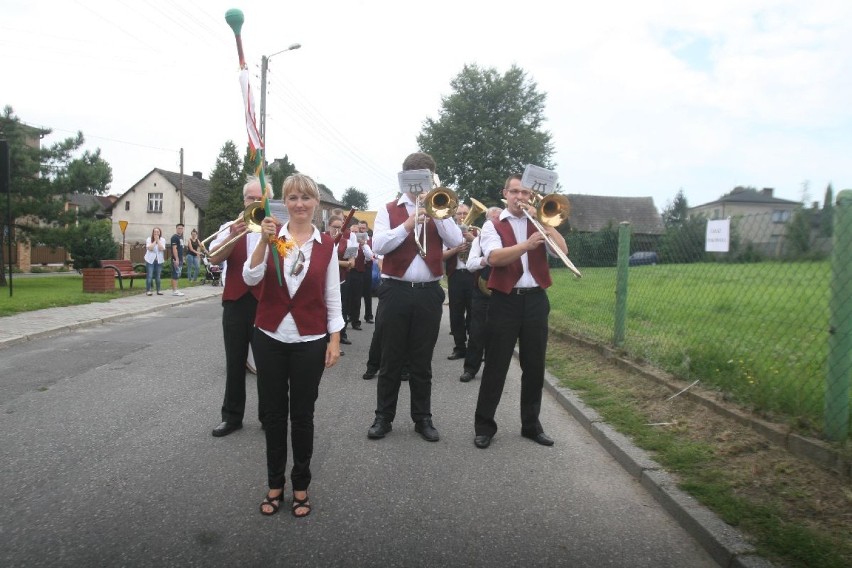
<point>297,335</point>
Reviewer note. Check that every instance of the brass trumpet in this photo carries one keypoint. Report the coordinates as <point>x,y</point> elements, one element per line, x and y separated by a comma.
<point>440,203</point>
<point>252,216</point>
<point>476,209</point>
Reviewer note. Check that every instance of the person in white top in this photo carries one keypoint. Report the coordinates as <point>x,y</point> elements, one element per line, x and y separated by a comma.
<point>155,246</point>
<point>297,335</point>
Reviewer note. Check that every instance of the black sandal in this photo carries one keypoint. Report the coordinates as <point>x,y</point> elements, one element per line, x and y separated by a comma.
<point>301,504</point>
<point>274,502</point>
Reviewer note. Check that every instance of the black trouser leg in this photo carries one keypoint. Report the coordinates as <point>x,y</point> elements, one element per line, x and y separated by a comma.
<point>478,331</point>
<point>532,351</point>
<point>460,288</point>
<point>410,320</point>
<point>374,359</point>
<point>344,303</point>
<point>288,378</point>
<point>367,292</point>
<point>237,328</point>
<point>356,283</point>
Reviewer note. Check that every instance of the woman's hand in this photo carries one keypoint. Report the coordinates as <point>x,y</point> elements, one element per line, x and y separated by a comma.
<point>332,352</point>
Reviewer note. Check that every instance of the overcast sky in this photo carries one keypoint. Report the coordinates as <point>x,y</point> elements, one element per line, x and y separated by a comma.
<point>643,97</point>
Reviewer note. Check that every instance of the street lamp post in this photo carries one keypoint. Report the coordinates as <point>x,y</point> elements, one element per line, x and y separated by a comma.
<point>264,65</point>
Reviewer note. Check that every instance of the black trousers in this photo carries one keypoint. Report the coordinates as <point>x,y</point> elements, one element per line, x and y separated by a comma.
<point>374,358</point>
<point>367,291</point>
<point>237,328</point>
<point>477,333</point>
<point>410,319</point>
<point>344,303</point>
<point>288,378</point>
<point>514,318</point>
<point>355,283</point>
<point>460,288</point>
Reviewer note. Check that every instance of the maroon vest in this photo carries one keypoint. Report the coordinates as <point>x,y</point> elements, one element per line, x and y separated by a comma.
<point>504,278</point>
<point>341,249</point>
<point>308,305</point>
<point>235,286</point>
<point>450,264</point>
<point>360,264</point>
<point>398,260</point>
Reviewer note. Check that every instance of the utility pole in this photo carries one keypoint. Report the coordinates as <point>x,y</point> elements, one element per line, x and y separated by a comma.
<point>264,67</point>
<point>180,189</point>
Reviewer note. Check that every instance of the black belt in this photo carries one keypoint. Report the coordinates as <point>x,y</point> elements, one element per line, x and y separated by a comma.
<point>395,282</point>
<point>522,291</point>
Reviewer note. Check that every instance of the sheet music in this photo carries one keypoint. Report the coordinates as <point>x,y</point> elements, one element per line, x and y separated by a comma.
<point>415,181</point>
<point>539,179</point>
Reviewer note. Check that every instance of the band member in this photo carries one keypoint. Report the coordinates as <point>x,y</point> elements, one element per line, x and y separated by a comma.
<point>479,304</point>
<point>358,275</point>
<point>367,292</point>
<point>410,302</point>
<point>335,226</point>
<point>459,288</point>
<point>345,266</point>
<point>239,304</point>
<point>297,336</point>
<point>517,312</point>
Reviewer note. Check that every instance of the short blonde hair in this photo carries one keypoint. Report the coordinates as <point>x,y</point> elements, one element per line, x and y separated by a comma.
<point>302,184</point>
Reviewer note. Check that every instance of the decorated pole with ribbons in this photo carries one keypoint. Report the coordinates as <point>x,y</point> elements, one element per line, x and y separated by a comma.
<point>235,19</point>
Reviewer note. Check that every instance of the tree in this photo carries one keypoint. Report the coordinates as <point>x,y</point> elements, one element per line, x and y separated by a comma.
<point>277,172</point>
<point>827,217</point>
<point>226,189</point>
<point>354,198</point>
<point>799,233</point>
<point>42,177</point>
<point>488,128</point>
<point>675,213</point>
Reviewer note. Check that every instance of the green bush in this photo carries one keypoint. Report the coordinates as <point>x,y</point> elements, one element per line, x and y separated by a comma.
<point>90,242</point>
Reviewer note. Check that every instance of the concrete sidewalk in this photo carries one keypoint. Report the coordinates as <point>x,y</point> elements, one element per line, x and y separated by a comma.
<point>724,544</point>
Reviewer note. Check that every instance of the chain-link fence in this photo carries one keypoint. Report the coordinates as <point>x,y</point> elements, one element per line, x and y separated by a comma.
<point>768,323</point>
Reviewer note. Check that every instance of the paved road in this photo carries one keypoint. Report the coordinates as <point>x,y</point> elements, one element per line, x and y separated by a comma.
<point>107,460</point>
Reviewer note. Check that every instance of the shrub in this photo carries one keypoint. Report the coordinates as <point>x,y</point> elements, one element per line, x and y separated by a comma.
<point>90,242</point>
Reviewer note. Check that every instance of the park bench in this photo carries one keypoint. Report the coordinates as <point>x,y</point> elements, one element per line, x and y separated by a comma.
<point>123,269</point>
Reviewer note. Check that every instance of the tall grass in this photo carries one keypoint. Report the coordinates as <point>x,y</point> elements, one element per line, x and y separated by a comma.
<point>757,332</point>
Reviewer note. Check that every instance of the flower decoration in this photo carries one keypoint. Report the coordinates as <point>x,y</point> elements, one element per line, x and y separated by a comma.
<point>282,245</point>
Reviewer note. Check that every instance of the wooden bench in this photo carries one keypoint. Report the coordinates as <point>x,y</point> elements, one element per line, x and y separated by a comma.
<point>123,269</point>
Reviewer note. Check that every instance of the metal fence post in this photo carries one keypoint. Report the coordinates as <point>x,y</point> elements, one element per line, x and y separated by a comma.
<point>621,283</point>
<point>839,368</point>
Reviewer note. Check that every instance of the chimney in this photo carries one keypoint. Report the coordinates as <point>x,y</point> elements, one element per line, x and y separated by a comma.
<point>767,191</point>
<point>815,204</point>
<point>198,175</point>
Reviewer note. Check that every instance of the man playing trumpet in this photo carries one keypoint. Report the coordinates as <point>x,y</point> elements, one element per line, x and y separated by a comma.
<point>517,312</point>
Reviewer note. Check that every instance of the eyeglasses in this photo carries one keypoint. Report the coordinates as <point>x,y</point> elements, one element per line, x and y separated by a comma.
<point>299,265</point>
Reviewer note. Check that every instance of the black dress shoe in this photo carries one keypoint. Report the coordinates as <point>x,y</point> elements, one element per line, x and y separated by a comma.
<point>482,441</point>
<point>379,428</point>
<point>225,428</point>
<point>424,428</point>
<point>369,375</point>
<point>345,341</point>
<point>540,438</point>
<point>404,376</point>
<point>368,320</point>
<point>356,326</point>
<point>457,355</point>
<point>466,377</point>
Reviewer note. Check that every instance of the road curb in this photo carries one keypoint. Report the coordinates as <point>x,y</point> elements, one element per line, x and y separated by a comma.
<point>725,544</point>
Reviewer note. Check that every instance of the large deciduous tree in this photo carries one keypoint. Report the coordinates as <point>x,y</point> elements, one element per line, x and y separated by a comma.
<point>226,189</point>
<point>42,178</point>
<point>491,126</point>
<point>354,198</point>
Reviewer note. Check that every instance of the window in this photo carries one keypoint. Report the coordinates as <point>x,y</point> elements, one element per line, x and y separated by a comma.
<point>155,203</point>
<point>127,206</point>
<point>780,215</point>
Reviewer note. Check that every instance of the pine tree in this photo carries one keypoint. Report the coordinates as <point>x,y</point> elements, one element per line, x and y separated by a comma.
<point>226,189</point>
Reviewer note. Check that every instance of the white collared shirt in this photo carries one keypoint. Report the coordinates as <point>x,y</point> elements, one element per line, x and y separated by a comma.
<point>386,240</point>
<point>490,240</point>
<point>251,242</point>
<point>287,331</point>
<point>475,260</point>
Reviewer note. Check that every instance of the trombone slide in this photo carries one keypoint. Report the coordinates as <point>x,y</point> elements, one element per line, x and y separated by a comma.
<point>550,242</point>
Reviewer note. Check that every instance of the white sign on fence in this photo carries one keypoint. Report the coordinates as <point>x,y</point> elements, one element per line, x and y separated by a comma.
<point>718,236</point>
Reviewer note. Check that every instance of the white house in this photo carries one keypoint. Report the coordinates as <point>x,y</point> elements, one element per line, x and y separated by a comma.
<point>154,201</point>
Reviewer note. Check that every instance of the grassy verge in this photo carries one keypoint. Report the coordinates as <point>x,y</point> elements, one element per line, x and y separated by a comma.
<point>30,294</point>
<point>794,512</point>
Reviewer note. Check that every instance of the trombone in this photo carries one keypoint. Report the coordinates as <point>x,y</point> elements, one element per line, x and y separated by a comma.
<point>252,216</point>
<point>552,210</point>
<point>476,209</point>
<point>440,203</point>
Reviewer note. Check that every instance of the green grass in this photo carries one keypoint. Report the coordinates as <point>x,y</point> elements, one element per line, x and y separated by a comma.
<point>757,332</point>
<point>700,473</point>
<point>30,294</point>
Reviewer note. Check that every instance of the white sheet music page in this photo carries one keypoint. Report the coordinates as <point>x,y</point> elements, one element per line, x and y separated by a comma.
<point>415,181</point>
<point>539,179</point>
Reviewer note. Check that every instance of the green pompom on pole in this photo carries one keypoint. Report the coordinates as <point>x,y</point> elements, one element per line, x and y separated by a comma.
<point>235,19</point>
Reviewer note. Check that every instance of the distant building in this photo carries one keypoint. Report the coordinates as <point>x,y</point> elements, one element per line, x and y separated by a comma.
<point>761,217</point>
<point>591,213</point>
